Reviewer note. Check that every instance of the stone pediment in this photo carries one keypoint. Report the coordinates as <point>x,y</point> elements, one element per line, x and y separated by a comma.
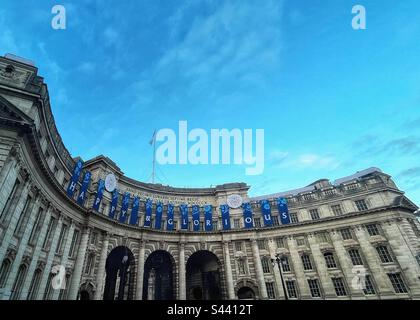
<point>11,114</point>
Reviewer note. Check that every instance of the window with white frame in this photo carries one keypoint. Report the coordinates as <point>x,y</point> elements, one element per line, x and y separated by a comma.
<point>384,254</point>
<point>285,265</point>
<point>355,257</point>
<point>294,217</point>
<point>270,290</point>
<point>337,210</point>
<point>329,260</point>
<point>361,205</point>
<point>236,223</point>
<point>397,282</point>
<point>257,222</point>
<point>346,234</point>
<point>276,221</point>
<point>314,214</point>
<point>368,289</point>
<point>339,286</point>
<point>266,265</point>
<point>314,288</point>
<point>372,229</point>
<point>291,289</point>
<point>306,261</point>
<point>238,245</point>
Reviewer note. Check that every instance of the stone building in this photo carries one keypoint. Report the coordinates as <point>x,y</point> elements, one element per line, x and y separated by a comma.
<point>354,238</point>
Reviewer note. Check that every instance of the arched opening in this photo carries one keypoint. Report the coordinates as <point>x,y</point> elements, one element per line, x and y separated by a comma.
<point>203,276</point>
<point>120,274</point>
<point>84,295</point>
<point>158,281</point>
<point>246,293</point>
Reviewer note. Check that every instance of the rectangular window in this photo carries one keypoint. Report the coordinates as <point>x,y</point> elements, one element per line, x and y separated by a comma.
<point>74,243</point>
<point>265,265</point>
<point>372,229</point>
<point>323,237</point>
<point>291,289</point>
<point>355,257</point>
<point>300,241</point>
<point>314,287</point>
<point>280,243</point>
<point>337,210</point>
<point>238,246</point>
<point>242,266</point>
<point>90,263</point>
<point>10,198</point>
<point>369,288</point>
<point>306,261</point>
<point>361,205</point>
<point>294,217</point>
<point>262,245</point>
<point>397,282</point>
<point>314,214</point>
<point>63,234</point>
<point>257,222</point>
<point>236,223</point>
<point>285,265</point>
<point>339,287</point>
<point>346,234</point>
<point>49,233</point>
<point>270,290</point>
<point>276,220</point>
<point>384,254</point>
<point>215,225</point>
<point>36,227</point>
<point>22,217</point>
<point>329,260</point>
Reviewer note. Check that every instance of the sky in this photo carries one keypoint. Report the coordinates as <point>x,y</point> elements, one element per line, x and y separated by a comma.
<point>331,100</point>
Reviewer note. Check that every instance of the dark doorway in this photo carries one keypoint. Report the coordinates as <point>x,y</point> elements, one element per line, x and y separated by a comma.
<point>120,275</point>
<point>158,276</point>
<point>246,293</point>
<point>84,295</point>
<point>203,276</point>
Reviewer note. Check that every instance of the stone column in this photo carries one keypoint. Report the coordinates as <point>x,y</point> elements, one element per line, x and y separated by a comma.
<point>78,267</point>
<point>298,269</point>
<point>345,264</point>
<point>228,271</point>
<point>140,271</point>
<point>65,258</point>
<point>21,249</point>
<point>259,269</point>
<point>36,253</point>
<point>7,180</point>
<point>16,211</point>
<point>181,277</point>
<point>321,267</point>
<point>101,267</point>
<point>50,258</point>
<point>277,276</point>
<point>399,243</point>
<point>373,262</point>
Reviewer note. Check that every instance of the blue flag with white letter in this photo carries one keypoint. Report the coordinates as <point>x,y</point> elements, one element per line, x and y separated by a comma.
<point>208,212</point>
<point>184,216</point>
<point>99,194</point>
<point>74,178</point>
<point>148,214</point>
<point>248,221</point>
<point>196,217</point>
<point>158,216</point>
<point>124,207</point>
<point>224,208</point>
<point>170,218</point>
<point>83,190</point>
<point>283,210</point>
<point>114,204</point>
<point>266,211</point>
<point>135,211</point>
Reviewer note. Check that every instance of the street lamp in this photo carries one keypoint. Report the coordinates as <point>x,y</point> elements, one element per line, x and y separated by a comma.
<point>278,260</point>
<point>123,270</point>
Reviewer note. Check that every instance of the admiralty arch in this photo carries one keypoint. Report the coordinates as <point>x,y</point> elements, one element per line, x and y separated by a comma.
<point>74,228</point>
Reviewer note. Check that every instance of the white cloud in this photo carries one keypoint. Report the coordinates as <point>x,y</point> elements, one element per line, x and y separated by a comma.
<point>86,67</point>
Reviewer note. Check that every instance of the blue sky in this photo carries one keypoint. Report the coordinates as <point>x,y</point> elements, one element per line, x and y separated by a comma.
<point>331,100</point>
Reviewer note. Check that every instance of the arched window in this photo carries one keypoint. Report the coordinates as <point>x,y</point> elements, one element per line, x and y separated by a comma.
<point>4,271</point>
<point>17,286</point>
<point>33,289</point>
<point>329,260</point>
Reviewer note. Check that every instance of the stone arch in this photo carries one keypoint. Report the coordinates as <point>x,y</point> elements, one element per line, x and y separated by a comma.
<point>203,279</point>
<point>86,291</point>
<point>120,274</point>
<point>159,280</point>
<point>246,286</point>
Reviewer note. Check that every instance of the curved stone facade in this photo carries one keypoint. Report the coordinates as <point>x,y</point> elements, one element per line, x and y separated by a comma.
<point>359,227</point>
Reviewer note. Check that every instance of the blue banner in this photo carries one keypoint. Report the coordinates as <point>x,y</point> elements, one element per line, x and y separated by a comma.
<point>148,214</point>
<point>184,216</point>
<point>170,218</point>
<point>266,212</point>
<point>283,210</point>
<point>196,217</point>
<point>158,216</point>
<point>114,204</point>
<point>124,207</point>
<point>248,221</point>
<point>74,178</point>
<point>208,212</point>
<point>99,194</point>
<point>224,208</point>
<point>83,190</point>
<point>135,211</point>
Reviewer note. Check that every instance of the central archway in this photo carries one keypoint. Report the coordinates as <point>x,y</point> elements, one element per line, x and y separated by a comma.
<point>120,274</point>
<point>158,281</point>
<point>203,276</point>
